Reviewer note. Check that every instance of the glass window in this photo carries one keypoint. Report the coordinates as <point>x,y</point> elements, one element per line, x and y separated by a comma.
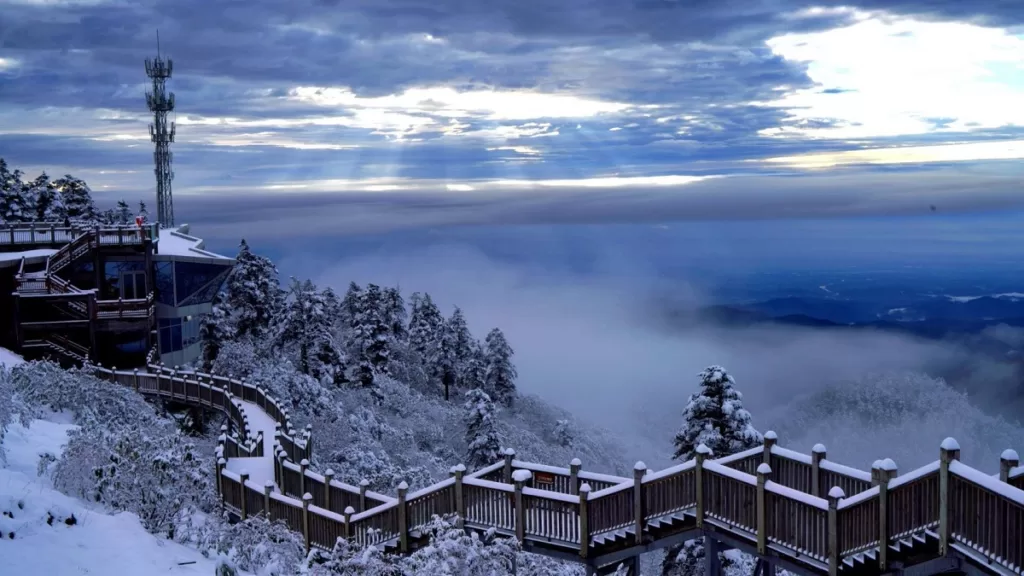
<point>165,282</point>
<point>133,346</point>
<point>192,280</point>
<point>176,337</point>
<point>170,334</point>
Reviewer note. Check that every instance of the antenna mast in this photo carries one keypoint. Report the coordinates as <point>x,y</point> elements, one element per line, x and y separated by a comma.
<point>160,102</point>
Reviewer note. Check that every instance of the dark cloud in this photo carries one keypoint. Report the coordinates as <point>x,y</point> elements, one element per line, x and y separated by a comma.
<point>842,194</point>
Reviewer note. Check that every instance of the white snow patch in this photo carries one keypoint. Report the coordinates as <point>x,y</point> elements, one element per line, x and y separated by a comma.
<point>175,242</point>
<point>98,543</point>
<point>10,359</point>
<point>260,469</point>
<point>41,252</point>
<point>1009,454</point>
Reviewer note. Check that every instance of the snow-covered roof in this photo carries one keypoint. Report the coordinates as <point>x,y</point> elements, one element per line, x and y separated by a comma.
<point>177,242</point>
<point>8,257</point>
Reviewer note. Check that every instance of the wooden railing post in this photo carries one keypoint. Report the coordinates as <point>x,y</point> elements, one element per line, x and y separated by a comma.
<point>364,484</point>
<point>875,472</point>
<point>221,462</point>
<point>349,511</point>
<point>403,518</point>
<point>1008,460</point>
<point>303,466</point>
<point>584,520</point>
<point>886,472</point>
<point>817,455</point>
<point>135,379</point>
<point>268,487</point>
<point>459,472</point>
<point>698,476</point>
<point>520,478</point>
<point>244,476</point>
<point>639,512</point>
<point>835,494</point>
<point>113,373</point>
<point>309,440</point>
<point>949,451</point>
<point>763,472</point>
<point>574,476</point>
<point>307,498</point>
<point>770,440</point>
<point>509,456</point>
<point>328,476</point>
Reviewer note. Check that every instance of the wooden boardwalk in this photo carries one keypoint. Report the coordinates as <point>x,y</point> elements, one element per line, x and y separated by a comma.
<point>800,512</point>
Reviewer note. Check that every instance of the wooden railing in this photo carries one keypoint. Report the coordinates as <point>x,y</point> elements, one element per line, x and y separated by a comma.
<point>770,507</point>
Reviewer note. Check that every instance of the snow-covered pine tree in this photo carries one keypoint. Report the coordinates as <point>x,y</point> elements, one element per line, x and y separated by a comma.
<point>371,337</point>
<point>482,442</point>
<point>124,213</point>
<point>306,325</point>
<point>350,305</point>
<point>395,313</point>
<point>46,202</point>
<point>254,296</point>
<point>425,326</point>
<point>143,212</point>
<point>77,198</point>
<point>474,373</point>
<point>214,329</point>
<point>563,433</point>
<point>715,417</point>
<point>12,195</point>
<point>500,372</point>
<point>443,364</point>
<point>462,347</point>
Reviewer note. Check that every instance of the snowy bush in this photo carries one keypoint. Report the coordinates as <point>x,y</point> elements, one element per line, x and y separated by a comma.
<point>450,552</point>
<point>149,469</point>
<point>10,406</point>
<point>256,545</point>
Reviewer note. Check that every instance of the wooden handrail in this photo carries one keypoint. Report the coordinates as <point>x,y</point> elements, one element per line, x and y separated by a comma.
<point>760,505</point>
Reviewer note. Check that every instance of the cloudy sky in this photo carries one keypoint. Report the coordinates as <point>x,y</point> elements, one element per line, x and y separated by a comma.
<point>380,114</point>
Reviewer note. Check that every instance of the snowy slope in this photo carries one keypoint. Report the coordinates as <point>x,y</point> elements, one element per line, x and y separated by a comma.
<point>9,359</point>
<point>97,543</point>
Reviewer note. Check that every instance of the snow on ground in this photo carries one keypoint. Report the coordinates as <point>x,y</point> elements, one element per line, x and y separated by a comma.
<point>10,359</point>
<point>260,469</point>
<point>96,543</point>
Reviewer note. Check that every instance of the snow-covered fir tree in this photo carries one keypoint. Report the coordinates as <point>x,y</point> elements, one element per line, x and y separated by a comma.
<point>46,203</point>
<point>443,364</point>
<point>371,338</point>
<point>474,372</point>
<point>426,325</point>
<point>306,327</point>
<point>563,433</point>
<point>395,312</point>
<point>143,213</point>
<point>214,329</point>
<point>500,372</point>
<point>715,417</point>
<point>482,442</point>
<point>253,293</point>
<point>462,346</point>
<point>350,305</point>
<point>124,213</point>
<point>13,207</point>
<point>77,198</point>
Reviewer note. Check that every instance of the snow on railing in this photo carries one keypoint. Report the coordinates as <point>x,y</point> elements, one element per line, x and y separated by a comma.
<point>322,509</point>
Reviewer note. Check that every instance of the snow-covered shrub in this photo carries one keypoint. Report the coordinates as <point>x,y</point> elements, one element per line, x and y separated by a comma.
<point>148,468</point>
<point>256,545</point>
<point>10,406</point>
<point>563,433</point>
